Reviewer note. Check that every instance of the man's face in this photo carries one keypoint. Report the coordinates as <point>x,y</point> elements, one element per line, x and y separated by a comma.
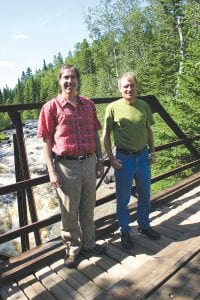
<point>128,88</point>
<point>69,81</point>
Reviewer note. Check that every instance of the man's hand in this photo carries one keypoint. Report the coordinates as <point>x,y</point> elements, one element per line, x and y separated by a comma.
<point>100,169</point>
<point>116,163</point>
<point>152,157</point>
<point>55,180</point>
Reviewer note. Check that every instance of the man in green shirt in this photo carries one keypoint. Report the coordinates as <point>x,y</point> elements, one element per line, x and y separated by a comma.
<point>129,119</point>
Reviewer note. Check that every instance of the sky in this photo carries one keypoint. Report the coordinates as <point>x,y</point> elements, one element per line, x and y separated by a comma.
<point>34,30</point>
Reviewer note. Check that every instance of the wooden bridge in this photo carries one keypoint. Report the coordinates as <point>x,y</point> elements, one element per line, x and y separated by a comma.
<point>163,269</point>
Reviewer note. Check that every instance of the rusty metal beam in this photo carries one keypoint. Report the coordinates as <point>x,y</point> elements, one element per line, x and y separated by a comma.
<point>23,184</point>
<point>16,119</point>
<point>155,104</point>
<point>5,237</point>
<point>21,199</point>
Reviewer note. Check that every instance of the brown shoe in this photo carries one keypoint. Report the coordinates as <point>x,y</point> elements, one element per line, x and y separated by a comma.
<point>71,261</point>
<point>97,249</point>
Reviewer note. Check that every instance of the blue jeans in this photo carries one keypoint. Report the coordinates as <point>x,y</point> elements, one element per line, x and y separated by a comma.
<point>133,167</point>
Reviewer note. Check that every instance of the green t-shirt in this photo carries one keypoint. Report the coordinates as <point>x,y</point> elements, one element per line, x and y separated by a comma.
<point>128,123</point>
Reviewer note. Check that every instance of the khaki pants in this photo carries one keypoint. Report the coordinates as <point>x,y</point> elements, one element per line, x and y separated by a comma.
<point>77,198</point>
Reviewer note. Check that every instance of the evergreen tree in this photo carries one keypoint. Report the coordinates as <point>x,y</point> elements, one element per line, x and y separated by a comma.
<point>19,93</point>
<point>188,100</point>
<point>83,58</point>
<point>7,95</point>
<point>1,97</point>
<point>49,85</point>
<point>69,58</point>
<point>28,73</point>
<point>58,61</point>
<point>44,66</point>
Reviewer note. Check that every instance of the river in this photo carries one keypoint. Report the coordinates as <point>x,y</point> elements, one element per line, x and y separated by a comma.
<point>44,195</point>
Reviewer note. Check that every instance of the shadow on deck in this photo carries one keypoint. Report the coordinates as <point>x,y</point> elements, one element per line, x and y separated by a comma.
<point>163,269</point>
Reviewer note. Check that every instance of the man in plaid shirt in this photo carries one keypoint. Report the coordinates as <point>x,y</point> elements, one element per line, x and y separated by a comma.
<point>69,127</point>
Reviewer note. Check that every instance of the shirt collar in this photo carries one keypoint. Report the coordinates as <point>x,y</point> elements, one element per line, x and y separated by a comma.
<point>63,101</point>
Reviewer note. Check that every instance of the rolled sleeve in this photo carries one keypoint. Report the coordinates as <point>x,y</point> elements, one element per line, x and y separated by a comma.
<point>46,124</point>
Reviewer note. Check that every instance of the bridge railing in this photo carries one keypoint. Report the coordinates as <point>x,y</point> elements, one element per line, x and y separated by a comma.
<point>24,183</point>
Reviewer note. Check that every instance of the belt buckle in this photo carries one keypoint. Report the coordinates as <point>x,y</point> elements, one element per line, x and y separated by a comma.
<point>82,157</point>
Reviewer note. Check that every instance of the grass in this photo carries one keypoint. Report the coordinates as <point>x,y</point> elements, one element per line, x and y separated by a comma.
<point>3,137</point>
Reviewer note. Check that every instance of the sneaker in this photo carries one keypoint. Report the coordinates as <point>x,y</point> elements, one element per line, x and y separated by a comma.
<point>126,240</point>
<point>98,249</point>
<point>71,261</point>
<point>151,233</point>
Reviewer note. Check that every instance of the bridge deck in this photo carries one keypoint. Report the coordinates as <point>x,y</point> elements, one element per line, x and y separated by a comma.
<point>168,268</point>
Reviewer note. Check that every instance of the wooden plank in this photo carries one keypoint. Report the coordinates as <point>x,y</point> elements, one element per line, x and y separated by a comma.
<point>184,285</point>
<point>172,213</point>
<point>164,241</point>
<point>34,252</point>
<point>96,274</point>
<point>138,285</point>
<point>161,215</point>
<point>174,225</point>
<point>137,249</point>
<point>28,262</point>
<point>168,223</point>
<point>190,194</point>
<point>194,218</point>
<point>127,258</point>
<point>179,208</point>
<point>130,262</point>
<point>194,208</point>
<point>178,221</point>
<point>33,289</point>
<point>177,189</point>
<point>102,270</point>
<point>187,200</point>
<point>77,280</point>
<point>115,270</point>
<point>12,292</point>
<point>170,220</point>
<point>169,232</point>
<point>119,254</point>
<point>158,220</point>
<point>58,287</point>
<point>142,240</point>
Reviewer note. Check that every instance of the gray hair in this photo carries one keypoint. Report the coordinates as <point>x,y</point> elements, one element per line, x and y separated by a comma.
<point>129,75</point>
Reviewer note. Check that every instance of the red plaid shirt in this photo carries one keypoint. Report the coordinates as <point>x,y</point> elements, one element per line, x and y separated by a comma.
<point>71,129</point>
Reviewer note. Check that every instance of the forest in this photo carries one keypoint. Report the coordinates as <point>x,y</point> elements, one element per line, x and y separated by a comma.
<point>157,39</point>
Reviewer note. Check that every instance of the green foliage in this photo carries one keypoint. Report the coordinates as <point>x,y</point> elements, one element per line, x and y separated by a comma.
<point>159,41</point>
<point>2,136</point>
<point>5,122</point>
<point>101,112</point>
<point>88,85</point>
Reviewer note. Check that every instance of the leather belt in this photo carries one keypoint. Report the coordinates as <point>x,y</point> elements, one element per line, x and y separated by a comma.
<point>69,157</point>
<point>130,152</point>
